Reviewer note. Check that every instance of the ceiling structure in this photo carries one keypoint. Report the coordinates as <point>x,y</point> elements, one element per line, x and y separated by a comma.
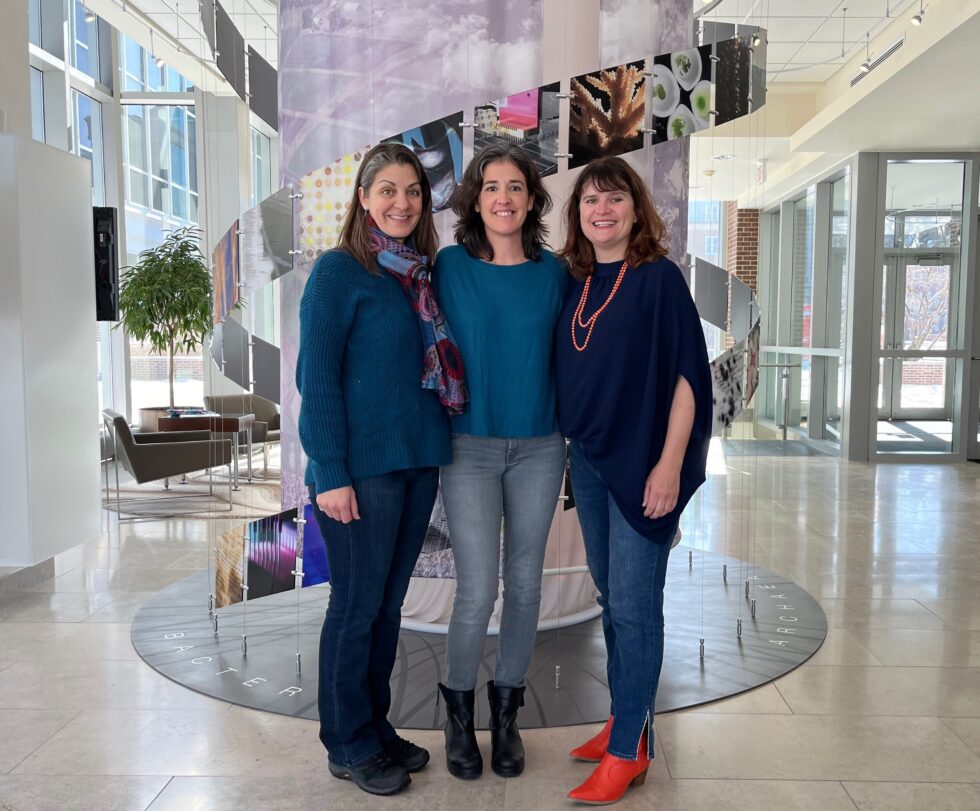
<point>810,40</point>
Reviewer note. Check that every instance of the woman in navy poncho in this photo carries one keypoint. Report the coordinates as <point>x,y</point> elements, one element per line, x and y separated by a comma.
<point>634,398</point>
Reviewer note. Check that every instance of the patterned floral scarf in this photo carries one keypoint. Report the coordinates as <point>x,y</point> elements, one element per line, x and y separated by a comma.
<point>442,368</point>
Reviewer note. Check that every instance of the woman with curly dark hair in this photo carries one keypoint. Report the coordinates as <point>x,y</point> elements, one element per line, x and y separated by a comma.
<point>501,291</point>
<point>634,399</point>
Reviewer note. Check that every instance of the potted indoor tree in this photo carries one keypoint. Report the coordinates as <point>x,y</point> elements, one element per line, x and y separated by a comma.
<point>165,300</point>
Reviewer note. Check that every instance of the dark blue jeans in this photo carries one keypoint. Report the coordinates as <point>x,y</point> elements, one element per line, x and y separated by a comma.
<point>629,571</point>
<point>371,562</point>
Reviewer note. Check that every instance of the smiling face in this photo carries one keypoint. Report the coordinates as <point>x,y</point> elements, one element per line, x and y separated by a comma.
<point>504,200</point>
<point>607,219</point>
<point>394,200</point>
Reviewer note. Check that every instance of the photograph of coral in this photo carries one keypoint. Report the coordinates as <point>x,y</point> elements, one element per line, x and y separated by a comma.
<point>682,91</point>
<point>733,77</point>
<point>528,120</point>
<point>326,195</point>
<point>607,113</point>
<point>439,147</point>
<point>226,269</point>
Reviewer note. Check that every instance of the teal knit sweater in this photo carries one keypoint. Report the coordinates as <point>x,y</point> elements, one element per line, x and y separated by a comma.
<point>364,411</point>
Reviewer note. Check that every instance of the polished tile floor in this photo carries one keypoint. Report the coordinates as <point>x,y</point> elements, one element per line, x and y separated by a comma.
<point>885,716</point>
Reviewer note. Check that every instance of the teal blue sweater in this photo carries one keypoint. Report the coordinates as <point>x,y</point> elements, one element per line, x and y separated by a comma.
<point>359,371</point>
<point>503,318</point>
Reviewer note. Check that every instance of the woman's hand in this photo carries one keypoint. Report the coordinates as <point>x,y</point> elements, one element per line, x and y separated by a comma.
<point>339,504</point>
<point>662,488</point>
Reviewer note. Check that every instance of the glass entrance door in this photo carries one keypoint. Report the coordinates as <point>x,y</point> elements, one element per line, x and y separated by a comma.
<point>917,313</point>
<point>922,351</point>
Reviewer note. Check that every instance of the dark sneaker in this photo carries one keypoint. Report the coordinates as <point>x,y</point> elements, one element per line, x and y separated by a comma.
<point>406,754</point>
<point>376,775</point>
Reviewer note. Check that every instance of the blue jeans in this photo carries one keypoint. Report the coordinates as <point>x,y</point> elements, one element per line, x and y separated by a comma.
<point>629,571</point>
<point>493,478</point>
<point>371,562</point>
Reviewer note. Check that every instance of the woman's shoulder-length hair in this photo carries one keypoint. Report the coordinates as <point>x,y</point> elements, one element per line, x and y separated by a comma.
<point>470,231</point>
<point>354,236</point>
<point>648,237</point>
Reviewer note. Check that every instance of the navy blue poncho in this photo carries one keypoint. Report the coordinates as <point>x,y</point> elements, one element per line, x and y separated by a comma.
<point>614,397</point>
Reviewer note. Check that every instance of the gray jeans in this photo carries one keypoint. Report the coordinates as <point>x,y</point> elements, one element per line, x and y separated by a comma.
<point>492,478</point>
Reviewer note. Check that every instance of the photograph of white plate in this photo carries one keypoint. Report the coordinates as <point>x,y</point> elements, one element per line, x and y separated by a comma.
<point>681,123</point>
<point>701,104</point>
<point>686,66</point>
<point>665,91</point>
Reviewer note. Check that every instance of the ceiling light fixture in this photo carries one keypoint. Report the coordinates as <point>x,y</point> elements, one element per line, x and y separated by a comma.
<point>725,157</point>
<point>158,60</point>
<point>843,30</point>
<point>917,18</point>
<point>866,64</point>
<point>89,16</point>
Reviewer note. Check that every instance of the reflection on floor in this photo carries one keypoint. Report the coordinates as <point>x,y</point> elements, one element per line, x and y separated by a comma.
<point>886,715</point>
<point>915,436</point>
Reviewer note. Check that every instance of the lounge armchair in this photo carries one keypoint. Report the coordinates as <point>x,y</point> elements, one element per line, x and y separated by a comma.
<point>160,455</point>
<point>266,428</point>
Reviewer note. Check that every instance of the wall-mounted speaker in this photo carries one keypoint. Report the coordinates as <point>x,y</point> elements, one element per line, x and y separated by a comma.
<point>106,263</point>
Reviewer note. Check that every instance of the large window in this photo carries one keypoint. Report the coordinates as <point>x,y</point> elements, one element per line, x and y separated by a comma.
<point>87,140</point>
<point>37,105</point>
<point>261,166</point>
<point>161,161</point>
<point>84,43</point>
<point>140,71</point>
<point>704,230</point>
<point>161,195</point>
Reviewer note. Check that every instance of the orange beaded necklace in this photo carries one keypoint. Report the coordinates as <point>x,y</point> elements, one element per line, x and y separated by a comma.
<point>591,321</point>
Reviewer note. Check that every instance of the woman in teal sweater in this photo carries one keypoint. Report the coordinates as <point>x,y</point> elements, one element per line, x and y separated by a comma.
<point>502,293</point>
<point>375,438</point>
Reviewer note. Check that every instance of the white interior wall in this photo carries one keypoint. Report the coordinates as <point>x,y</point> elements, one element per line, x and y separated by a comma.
<point>49,486</point>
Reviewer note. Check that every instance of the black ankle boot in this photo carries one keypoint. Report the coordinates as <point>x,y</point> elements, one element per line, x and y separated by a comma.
<point>507,758</point>
<point>463,758</point>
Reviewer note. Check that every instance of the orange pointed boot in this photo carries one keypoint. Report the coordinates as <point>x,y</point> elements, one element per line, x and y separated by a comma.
<point>612,777</point>
<point>595,747</point>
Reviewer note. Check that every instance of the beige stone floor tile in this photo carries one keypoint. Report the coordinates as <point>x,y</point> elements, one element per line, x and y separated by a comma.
<point>22,731</point>
<point>856,614</point>
<point>79,793</point>
<point>949,648</point>
<point>960,614</point>
<point>111,581</point>
<point>920,691</point>
<point>433,789</point>
<point>843,648</point>
<point>93,684</point>
<point>967,730</point>
<point>56,607</point>
<point>883,583</point>
<point>66,641</point>
<point>809,747</point>
<point>122,609</point>
<point>219,742</point>
<point>913,796</point>
<point>764,700</point>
